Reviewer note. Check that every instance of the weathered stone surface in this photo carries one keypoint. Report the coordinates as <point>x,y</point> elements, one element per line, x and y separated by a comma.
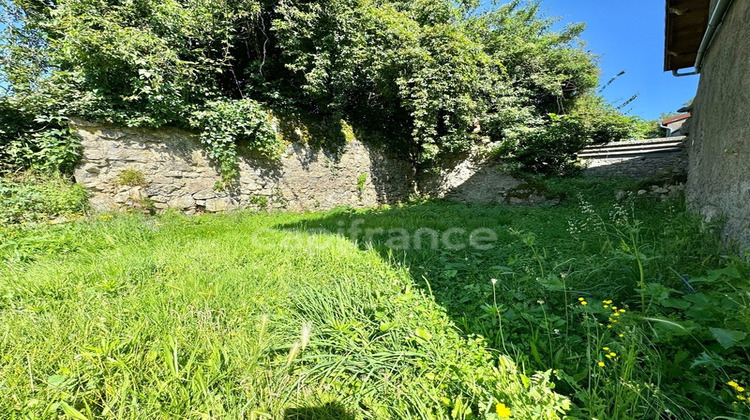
<point>182,203</point>
<point>179,175</point>
<point>718,183</point>
<point>129,195</point>
<point>91,168</point>
<point>471,180</point>
<point>216,205</point>
<point>204,194</point>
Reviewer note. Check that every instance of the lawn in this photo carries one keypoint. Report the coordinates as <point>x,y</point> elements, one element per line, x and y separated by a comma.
<point>604,309</point>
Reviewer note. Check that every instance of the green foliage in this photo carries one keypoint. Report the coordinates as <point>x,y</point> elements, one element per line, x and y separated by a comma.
<point>38,142</point>
<point>420,76</point>
<point>647,129</point>
<point>361,181</point>
<point>32,198</point>
<point>131,178</point>
<point>226,124</point>
<point>259,200</point>
<point>552,150</point>
<point>602,123</point>
<point>308,322</point>
<point>551,147</point>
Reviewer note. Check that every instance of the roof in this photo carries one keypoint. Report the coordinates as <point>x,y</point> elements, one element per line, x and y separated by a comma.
<point>675,119</point>
<point>687,21</point>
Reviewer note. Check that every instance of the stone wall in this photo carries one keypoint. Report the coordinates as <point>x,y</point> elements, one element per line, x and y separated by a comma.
<point>638,159</point>
<point>719,132</point>
<point>470,179</point>
<point>178,174</point>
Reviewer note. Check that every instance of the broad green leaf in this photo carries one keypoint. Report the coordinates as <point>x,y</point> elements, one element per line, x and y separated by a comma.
<point>727,338</point>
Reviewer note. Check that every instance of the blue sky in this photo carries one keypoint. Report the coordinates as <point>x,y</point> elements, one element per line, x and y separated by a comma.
<point>629,35</point>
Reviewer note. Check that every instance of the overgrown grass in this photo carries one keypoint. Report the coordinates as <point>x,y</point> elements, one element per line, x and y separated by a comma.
<point>228,317</point>
<point>632,308</point>
<point>633,304</point>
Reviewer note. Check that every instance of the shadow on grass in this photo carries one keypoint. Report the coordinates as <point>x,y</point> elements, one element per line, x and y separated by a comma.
<point>453,251</point>
<point>329,411</point>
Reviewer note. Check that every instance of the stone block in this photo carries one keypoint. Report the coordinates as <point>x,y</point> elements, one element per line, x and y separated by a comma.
<point>182,202</point>
<point>216,205</point>
<point>200,185</point>
<point>91,168</point>
<point>205,194</point>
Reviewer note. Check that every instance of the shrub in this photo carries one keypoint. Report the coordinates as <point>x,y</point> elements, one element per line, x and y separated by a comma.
<point>361,181</point>
<point>30,198</point>
<point>552,149</point>
<point>41,143</point>
<point>259,200</point>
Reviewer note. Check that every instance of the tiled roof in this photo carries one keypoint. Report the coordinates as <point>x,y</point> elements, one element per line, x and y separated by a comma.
<point>676,118</point>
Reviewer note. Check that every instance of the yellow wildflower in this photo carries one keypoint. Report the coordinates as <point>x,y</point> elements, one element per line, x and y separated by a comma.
<point>621,335</point>
<point>622,311</point>
<point>584,303</point>
<point>740,389</point>
<point>502,411</point>
<point>581,299</point>
<point>733,384</point>
<point>616,314</point>
<point>608,302</point>
<point>601,364</point>
<point>606,306</point>
<point>614,308</point>
<point>609,326</point>
<point>613,354</point>
<point>740,397</point>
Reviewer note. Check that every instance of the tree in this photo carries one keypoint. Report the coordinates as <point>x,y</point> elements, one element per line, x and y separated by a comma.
<point>419,74</point>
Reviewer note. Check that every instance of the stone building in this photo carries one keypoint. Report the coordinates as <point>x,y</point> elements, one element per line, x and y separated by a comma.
<point>712,38</point>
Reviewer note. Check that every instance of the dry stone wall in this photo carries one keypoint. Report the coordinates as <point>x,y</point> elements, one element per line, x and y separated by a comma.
<point>177,174</point>
<point>155,170</point>
<point>474,179</point>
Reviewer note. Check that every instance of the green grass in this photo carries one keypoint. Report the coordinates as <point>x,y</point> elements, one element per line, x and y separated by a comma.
<point>259,315</point>
<point>230,317</point>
